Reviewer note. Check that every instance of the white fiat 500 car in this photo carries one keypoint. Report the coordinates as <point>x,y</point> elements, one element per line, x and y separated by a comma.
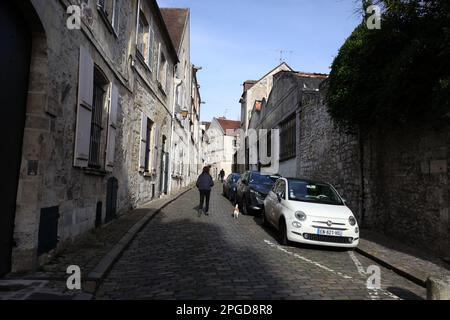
<point>310,212</point>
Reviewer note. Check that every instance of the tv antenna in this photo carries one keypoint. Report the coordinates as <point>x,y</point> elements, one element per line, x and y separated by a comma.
<point>283,53</point>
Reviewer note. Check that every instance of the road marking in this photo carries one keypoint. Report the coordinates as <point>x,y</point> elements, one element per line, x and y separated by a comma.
<point>373,293</point>
<point>296,255</point>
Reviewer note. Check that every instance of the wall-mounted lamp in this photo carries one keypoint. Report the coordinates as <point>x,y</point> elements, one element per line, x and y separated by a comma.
<point>184,113</point>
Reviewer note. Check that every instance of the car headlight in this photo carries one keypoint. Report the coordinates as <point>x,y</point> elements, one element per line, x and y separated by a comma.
<point>352,221</point>
<point>300,215</point>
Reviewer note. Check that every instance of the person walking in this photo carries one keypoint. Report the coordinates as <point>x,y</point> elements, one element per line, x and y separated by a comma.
<point>222,175</point>
<point>204,185</point>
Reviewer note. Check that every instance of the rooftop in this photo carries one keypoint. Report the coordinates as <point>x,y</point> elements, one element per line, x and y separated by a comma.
<point>175,19</point>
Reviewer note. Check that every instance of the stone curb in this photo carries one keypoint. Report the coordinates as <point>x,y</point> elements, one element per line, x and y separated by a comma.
<point>392,266</point>
<point>96,276</point>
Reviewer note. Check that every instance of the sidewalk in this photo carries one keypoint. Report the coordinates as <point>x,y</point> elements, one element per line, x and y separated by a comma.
<point>94,253</point>
<point>413,264</point>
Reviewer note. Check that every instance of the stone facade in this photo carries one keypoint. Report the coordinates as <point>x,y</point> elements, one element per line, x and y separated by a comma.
<point>406,174</point>
<point>221,145</point>
<point>49,177</point>
<point>396,181</point>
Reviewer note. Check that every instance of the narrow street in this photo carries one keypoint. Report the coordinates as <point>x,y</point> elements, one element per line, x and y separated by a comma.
<point>180,255</point>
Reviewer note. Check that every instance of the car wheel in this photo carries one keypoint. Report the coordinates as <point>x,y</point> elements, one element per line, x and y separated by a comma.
<point>244,207</point>
<point>265,223</point>
<point>282,233</point>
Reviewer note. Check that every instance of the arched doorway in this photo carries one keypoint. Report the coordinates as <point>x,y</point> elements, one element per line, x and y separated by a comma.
<point>14,63</point>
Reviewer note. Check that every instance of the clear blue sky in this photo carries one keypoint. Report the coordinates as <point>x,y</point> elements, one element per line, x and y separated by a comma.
<point>238,40</point>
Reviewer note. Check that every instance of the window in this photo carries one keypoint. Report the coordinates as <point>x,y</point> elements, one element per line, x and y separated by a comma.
<point>116,15</point>
<point>288,141</point>
<point>110,11</point>
<point>147,145</point>
<point>96,121</point>
<point>162,70</point>
<point>143,36</point>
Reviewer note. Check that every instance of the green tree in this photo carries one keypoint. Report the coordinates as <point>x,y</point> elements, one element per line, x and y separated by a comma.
<point>397,74</point>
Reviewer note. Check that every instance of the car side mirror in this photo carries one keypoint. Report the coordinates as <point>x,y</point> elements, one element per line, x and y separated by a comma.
<point>344,201</point>
<point>279,197</point>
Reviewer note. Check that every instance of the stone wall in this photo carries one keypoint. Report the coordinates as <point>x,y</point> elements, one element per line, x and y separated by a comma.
<point>407,183</point>
<point>405,173</point>
<point>49,134</point>
<point>325,154</point>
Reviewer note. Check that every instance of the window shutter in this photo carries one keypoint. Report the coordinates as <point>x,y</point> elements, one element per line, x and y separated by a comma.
<point>155,149</point>
<point>112,128</point>
<point>137,20</point>
<point>159,62</point>
<point>143,142</point>
<point>166,85</point>
<point>116,15</point>
<point>151,36</point>
<point>84,109</point>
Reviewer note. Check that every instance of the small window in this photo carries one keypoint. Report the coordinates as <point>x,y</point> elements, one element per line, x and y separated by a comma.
<point>143,36</point>
<point>110,11</point>
<point>163,71</point>
<point>116,15</point>
<point>148,145</point>
<point>100,88</point>
<point>288,141</point>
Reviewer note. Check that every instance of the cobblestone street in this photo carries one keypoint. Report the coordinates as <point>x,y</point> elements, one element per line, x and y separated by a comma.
<point>180,255</point>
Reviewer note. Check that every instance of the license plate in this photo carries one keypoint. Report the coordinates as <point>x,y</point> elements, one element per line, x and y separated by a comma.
<point>328,232</point>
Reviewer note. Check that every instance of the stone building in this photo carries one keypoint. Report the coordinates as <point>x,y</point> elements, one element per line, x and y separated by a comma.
<point>221,145</point>
<point>255,91</point>
<point>396,181</point>
<point>196,162</point>
<point>178,24</point>
<point>89,134</point>
<point>282,110</point>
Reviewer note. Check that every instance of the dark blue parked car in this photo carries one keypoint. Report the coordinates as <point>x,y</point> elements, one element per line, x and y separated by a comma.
<point>252,189</point>
<point>229,186</point>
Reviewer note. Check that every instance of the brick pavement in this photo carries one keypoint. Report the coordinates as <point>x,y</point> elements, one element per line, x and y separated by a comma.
<point>49,282</point>
<point>412,263</point>
<point>179,255</point>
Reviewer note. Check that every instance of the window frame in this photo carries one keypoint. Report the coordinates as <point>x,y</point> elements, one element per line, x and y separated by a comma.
<point>140,39</point>
<point>109,12</point>
<point>288,138</point>
<point>163,70</point>
<point>102,85</point>
<point>148,146</point>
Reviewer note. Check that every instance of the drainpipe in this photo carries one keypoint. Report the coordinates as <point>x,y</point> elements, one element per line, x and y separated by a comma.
<point>177,82</point>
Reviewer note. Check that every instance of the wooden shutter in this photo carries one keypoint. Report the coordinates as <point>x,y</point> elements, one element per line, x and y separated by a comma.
<point>137,20</point>
<point>84,109</point>
<point>143,146</point>
<point>151,53</point>
<point>112,128</point>
<point>166,84</point>
<point>155,149</point>
<point>116,15</point>
<point>159,62</point>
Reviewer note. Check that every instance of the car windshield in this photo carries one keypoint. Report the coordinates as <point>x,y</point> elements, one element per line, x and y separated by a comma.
<point>235,178</point>
<point>313,192</point>
<point>260,179</point>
